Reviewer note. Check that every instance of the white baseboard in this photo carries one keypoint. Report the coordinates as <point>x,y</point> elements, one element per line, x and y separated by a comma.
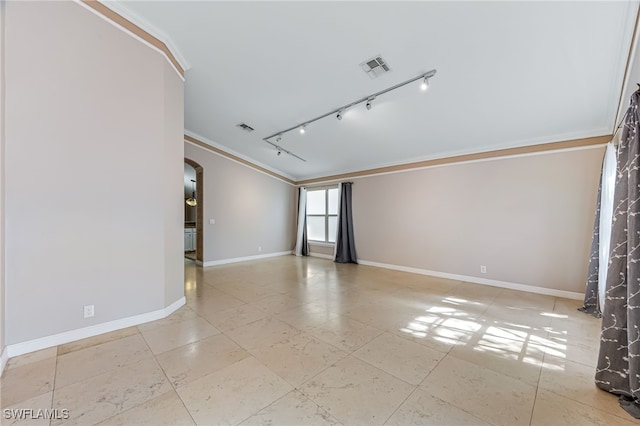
<point>476,280</point>
<point>244,259</point>
<point>94,330</point>
<point>322,256</point>
<point>3,359</point>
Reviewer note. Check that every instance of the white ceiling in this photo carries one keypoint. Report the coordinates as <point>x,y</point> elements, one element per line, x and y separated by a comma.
<point>509,74</point>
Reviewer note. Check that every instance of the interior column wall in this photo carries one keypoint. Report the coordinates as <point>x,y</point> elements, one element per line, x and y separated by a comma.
<point>93,161</point>
<point>173,211</point>
<point>2,180</point>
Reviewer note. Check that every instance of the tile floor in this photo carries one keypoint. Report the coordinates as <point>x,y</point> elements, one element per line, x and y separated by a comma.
<point>304,341</point>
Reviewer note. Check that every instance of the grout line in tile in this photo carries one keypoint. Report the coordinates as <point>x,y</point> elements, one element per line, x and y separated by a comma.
<point>544,355</point>
<point>400,405</point>
<point>53,385</point>
<point>174,388</point>
<point>432,370</point>
<point>268,405</point>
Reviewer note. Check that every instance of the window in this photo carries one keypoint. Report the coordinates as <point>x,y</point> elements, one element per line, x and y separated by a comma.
<point>322,215</point>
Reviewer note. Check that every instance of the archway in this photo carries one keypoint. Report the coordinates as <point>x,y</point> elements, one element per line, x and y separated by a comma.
<point>199,209</point>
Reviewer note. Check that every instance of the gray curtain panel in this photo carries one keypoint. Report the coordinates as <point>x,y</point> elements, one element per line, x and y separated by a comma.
<point>345,242</point>
<point>304,251</point>
<point>302,244</point>
<point>618,368</point>
<point>591,303</point>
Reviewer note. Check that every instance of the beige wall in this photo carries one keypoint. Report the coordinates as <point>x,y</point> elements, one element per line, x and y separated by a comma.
<point>173,198</point>
<point>2,179</point>
<point>93,169</point>
<point>321,250</point>
<point>250,208</point>
<point>527,219</point>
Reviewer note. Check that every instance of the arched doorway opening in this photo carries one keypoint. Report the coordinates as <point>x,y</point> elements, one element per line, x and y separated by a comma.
<point>199,207</point>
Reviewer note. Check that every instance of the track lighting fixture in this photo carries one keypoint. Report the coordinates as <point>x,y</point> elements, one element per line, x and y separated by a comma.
<point>368,105</point>
<point>367,100</point>
<point>425,83</point>
<point>280,150</point>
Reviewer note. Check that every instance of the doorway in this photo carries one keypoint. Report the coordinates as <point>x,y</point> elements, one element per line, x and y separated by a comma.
<point>193,211</point>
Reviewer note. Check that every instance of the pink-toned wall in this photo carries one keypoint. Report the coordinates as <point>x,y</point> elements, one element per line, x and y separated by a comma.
<point>250,209</point>
<point>93,167</point>
<point>321,250</point>
<point>527,219</point>
<point>2,183</point>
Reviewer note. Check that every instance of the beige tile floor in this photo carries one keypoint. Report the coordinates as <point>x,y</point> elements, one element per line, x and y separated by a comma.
<point>304,341</point>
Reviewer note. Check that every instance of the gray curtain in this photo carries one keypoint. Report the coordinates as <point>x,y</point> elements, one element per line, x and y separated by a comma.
<point>618,368</point>
<point>345,242</point>
<point>302,244</point>
<point>591,303</point>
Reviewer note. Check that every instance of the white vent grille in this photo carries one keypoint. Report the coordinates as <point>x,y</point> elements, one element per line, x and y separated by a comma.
<point>375,66</point>
<point>245,127</point>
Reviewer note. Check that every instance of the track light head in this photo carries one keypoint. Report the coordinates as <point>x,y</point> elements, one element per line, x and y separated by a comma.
<point>368,105</point>
<point>368,100</point>
<point>425,84</point>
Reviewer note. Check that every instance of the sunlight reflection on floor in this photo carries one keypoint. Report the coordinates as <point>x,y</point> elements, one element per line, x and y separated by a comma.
<point>524,341</point>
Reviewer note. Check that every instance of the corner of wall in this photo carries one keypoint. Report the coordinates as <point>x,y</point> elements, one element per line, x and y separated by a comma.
<point>173,211</point>
<point>251,209</point>
<point>138,261</point>
<point>3,354</point>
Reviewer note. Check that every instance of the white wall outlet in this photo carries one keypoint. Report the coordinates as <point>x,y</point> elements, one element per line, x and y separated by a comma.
<point>88,311</point>
<point>259,249</point>
<point>483,269</point>
<point>212,221</point>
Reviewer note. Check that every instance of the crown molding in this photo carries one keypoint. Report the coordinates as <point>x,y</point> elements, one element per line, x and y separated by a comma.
<point>538,149</point>
<point>204,143</point>
<point>119,16</point>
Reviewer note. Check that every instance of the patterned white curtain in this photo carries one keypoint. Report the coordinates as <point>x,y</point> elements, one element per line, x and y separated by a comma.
<point>591,303</point>
<point>618,368</point>
<point>600,243</point>
<point>608,186</point>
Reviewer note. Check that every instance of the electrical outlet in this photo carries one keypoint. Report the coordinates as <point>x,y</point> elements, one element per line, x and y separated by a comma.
<point>259,249</point>
<point>483,269</point>
<point>88,311</point>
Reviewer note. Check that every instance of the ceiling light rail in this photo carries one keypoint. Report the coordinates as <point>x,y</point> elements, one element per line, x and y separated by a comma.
<point>281,150</point>
<point>339,112</point>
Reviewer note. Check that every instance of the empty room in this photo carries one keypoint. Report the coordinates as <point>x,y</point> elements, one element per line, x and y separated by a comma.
<point>319,212</point>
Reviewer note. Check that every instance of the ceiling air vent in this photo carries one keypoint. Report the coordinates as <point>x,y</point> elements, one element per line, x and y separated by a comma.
<point>375,66</point>
<point>245,127</point>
